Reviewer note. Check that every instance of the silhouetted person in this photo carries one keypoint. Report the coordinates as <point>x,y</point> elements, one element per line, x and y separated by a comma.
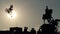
<point>33,31</point>
<point>46,10</point>
<point>25,30</point>
<point>39,31</point>
<point>44,15</point>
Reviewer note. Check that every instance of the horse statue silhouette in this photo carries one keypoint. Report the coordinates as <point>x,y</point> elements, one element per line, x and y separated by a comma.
<point>48,14</point>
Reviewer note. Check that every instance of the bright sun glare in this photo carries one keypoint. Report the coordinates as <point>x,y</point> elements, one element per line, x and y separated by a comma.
<point>12,15</point>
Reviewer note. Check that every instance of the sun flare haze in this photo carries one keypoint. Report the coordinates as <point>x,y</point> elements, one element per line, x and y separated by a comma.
<point>12,15</point>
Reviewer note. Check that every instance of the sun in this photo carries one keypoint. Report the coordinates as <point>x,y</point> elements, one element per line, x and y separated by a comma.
<point>12,15</point>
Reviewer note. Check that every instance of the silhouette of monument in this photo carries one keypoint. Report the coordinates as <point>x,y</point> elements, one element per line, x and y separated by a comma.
<point>51,27</point>
<point>48,14</point>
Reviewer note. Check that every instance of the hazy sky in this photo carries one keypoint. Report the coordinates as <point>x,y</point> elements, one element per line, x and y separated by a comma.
<point>29,12</point>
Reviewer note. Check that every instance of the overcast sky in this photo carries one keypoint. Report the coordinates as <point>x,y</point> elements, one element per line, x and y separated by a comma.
<point>28,12</point>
